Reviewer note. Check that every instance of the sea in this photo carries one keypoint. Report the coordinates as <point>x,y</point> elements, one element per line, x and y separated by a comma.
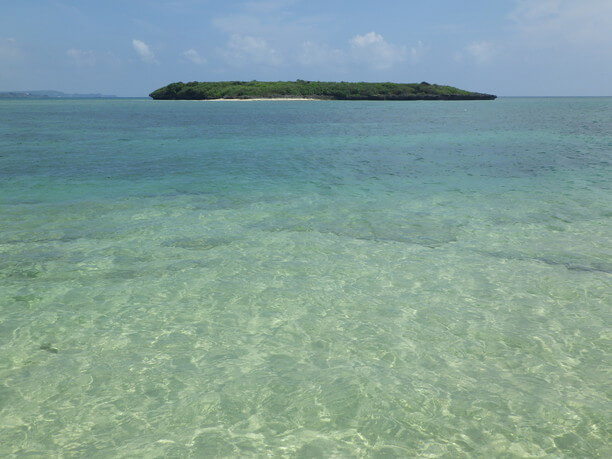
<point>306,278</point>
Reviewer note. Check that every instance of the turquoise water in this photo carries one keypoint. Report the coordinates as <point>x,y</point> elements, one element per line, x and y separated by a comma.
<point>311,279</point>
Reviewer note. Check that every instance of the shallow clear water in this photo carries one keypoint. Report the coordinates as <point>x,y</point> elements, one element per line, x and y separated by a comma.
<point>306,279</point>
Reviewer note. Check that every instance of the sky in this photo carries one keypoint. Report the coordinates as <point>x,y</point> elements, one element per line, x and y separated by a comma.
<point>132,47</point>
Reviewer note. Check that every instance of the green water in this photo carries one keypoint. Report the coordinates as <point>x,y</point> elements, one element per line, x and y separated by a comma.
<point>310,279</point>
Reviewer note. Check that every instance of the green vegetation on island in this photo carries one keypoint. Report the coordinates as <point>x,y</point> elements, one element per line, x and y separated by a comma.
<point>313,90</point>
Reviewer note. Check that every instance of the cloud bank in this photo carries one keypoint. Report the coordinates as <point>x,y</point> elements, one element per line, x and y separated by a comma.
<point>9,50</point>
<point>82,58</point>
<point>552,23</point>
<point>246,49</point>
<point>373,50</point>
<point>315,55</point>
<point>193,56</point>
<point>369,50</point>
<point>144,52</point>
<point>479,51</point>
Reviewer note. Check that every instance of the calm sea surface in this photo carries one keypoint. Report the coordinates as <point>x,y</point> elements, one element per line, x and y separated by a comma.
<point>311,279</point>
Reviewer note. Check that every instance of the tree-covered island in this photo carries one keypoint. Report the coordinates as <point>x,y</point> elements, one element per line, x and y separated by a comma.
<point>313,90</point>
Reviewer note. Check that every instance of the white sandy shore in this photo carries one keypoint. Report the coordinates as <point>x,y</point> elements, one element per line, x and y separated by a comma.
<point>262,98</point>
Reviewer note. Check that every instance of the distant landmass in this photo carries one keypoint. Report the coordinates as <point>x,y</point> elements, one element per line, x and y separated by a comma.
<point>49,94</point>
<point>313,90</point>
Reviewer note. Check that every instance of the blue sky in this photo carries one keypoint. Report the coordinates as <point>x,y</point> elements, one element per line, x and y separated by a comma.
<point>131,47</point>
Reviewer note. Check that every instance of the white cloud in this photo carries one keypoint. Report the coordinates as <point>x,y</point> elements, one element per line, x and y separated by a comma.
<point>267,6</point>
<point>418,51</point>
<point>276,27</point>
<point>144,52</point>
<point>273,19</point>
<point>372,49</point>
<point>244,49</point>
<point>267,31</point>
<point>551,23</point>
<point>9,50</point>
<point>480,51</point>
<point>82,58</point>
<point>314,54</point>
<point>194,56</point>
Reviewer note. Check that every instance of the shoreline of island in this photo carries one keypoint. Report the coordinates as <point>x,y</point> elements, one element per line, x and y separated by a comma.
<point>258,99</point>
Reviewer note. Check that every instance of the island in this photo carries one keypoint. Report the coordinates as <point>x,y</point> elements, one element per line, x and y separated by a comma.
<point>302,89</point>
<point>50,94</point>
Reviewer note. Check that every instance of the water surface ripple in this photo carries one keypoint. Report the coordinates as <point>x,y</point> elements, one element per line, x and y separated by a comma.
<point>305,279</point>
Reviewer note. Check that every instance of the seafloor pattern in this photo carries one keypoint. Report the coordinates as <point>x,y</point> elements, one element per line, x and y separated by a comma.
<point>307,279</point>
